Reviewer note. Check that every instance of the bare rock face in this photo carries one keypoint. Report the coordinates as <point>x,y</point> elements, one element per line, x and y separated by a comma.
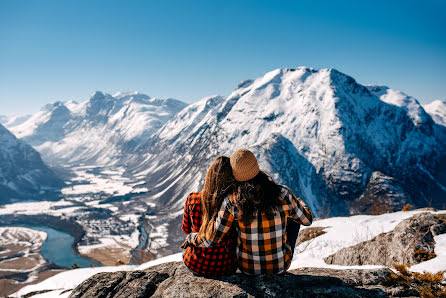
<point>411,242</point>
<point>175,280</point>
<point>383,194</point>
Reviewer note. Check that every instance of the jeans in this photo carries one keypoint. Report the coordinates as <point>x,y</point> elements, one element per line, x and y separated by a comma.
<point>292,230</point>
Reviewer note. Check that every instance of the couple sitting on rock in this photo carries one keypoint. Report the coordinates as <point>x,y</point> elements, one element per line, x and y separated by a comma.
<point>241,219</point>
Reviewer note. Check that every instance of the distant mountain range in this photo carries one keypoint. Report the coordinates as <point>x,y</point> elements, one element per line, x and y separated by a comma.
<point>97,131</point>
<point>344,147</point>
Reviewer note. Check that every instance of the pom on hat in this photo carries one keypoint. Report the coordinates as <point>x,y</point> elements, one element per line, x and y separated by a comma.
<point>244,165</point>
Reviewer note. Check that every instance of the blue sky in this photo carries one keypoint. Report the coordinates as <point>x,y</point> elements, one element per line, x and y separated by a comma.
<point>62,50</point>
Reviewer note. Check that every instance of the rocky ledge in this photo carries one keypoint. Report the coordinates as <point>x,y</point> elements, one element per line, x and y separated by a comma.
<point>411,242</point>
<point>175,280</point>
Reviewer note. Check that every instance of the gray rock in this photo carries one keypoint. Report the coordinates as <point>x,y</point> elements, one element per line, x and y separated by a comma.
<point>399,246</point>
<point>175,280</point>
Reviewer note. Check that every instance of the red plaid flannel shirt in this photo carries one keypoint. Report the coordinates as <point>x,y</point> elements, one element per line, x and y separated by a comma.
<point>216,261</point>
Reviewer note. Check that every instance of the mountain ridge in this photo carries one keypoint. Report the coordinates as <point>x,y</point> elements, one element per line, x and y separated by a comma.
<point>99,130</point>
<point>23,175</point>
<point>336,124</point>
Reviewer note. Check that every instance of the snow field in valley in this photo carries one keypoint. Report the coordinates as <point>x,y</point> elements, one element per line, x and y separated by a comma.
<point>88,186</point>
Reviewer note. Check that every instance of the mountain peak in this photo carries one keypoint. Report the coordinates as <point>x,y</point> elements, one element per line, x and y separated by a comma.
<point>437,103</point>
<point>53,106</point>
<point>437,110</point>
<point>131,95</point>
<point>97,95</point>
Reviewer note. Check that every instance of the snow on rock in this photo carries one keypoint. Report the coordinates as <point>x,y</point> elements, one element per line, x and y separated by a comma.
<point>172,258</point>
<point>68,280</point>
<point>438,263</point>
<point>437,110</point>
<point>344,232</point>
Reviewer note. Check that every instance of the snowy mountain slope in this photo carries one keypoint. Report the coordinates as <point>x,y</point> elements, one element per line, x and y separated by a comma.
<point>341,232</point>
<point>97,131</point>
<point>437,110</point>
<point>404,101</point>
<point>13,120</point>
<point>23,175</point>
<point>317,130</point>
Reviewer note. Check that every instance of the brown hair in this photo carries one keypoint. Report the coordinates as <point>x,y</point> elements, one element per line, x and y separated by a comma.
<point>218,184</point>
<point>260,194</point>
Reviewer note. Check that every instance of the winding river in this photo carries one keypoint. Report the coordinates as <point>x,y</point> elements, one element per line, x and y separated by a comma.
<point>57,248</point>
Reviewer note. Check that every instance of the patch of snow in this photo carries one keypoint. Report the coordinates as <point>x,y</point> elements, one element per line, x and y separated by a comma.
<point>437,110</point>
<point>158,237</point>
<point>439,262</point>
<point>69,279</point>
<point>348,231</point>
<point>172,258</point>
<point>22,236</point>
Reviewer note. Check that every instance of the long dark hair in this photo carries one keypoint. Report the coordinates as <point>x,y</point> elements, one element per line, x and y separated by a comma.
<point>218,184</point>
<point>258,195</point>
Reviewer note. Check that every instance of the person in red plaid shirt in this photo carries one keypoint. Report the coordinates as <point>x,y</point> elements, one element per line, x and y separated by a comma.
<point>267,217</point>
<point>200,212</point>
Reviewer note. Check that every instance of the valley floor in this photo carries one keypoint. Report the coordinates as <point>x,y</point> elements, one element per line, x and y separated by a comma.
<point>105,213</point>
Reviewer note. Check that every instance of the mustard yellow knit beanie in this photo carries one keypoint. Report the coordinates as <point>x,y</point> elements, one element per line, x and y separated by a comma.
<point>244,165</point>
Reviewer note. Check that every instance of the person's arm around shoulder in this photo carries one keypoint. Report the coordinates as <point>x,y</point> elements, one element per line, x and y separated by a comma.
<point>299,211</point>
<point>223,224</point>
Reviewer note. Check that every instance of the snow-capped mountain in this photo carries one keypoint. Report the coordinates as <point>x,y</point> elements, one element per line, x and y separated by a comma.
<point>98,131</point>
<point>337,143</point>
<point>437,110</point>
<point>23,175</point>
<point>329,138</point>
